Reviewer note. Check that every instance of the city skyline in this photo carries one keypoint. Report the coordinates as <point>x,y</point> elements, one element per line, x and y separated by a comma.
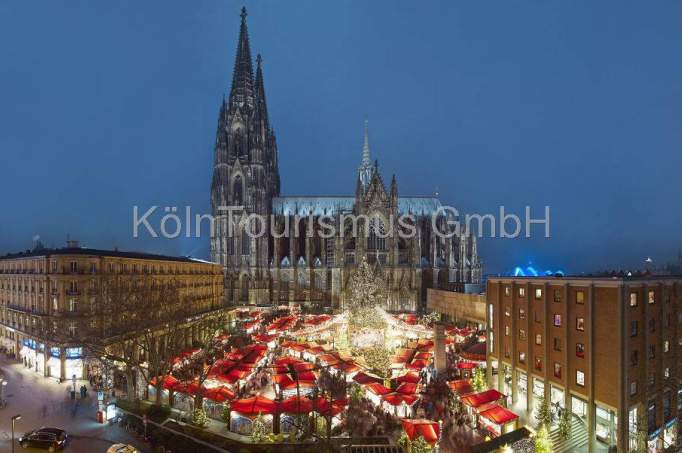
<point>485,133</point>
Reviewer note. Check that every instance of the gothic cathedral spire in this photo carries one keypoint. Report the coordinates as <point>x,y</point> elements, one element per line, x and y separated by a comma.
<point>242,76</point>
<point>366,170</point>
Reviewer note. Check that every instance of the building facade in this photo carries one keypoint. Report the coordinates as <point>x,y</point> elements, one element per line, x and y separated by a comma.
<point>46,297</point>
<point>281,266</point>
<point>605,349</point>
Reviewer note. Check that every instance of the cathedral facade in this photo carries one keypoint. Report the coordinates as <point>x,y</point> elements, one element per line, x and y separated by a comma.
<point>313,244</point>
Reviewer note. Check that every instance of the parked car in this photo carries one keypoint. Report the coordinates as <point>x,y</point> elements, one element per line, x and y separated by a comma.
<point>122,448</point>
<point>51,439</point>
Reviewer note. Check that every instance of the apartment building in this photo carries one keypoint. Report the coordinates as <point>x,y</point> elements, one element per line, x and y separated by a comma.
<point>606,349</point>
<point>46,294</point>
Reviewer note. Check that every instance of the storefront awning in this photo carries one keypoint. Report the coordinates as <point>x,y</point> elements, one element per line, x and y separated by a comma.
<point>499,415</point>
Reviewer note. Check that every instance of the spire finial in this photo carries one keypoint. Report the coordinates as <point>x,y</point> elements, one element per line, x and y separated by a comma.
<point>366,159</point>
<point>243,14</point>
<point>242,76</point>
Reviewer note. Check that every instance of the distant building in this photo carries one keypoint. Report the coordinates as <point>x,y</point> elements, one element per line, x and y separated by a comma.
<point>606,349</point>
<point>46,295</point>
<point>310,268</point>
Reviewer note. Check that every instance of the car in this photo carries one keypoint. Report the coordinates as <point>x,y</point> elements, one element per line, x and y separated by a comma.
<point>51,439</point>
<point>122,448</point>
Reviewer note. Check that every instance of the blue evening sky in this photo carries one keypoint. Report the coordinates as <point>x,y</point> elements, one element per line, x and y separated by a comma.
<point>572,104</point>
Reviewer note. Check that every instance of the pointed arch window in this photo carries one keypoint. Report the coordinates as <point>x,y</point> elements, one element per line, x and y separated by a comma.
<point>238,191</point>
<point>246,243</point>
<point>377,235</point>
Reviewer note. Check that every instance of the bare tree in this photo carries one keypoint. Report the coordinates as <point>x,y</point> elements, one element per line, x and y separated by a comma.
<point>140,323</point>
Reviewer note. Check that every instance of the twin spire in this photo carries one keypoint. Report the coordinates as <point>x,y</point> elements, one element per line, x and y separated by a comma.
<point>366,169</point>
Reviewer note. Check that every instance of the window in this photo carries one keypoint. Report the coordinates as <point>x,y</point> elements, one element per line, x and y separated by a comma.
<point>666,372</point>
<point>580,297</point>
<point>74,266</point>
<point>633,388</point>
<point>55,304</point>
<point>522,334</point>
<point>538,293</point>
<point>73,330</point>
<point>506,330</point>
<point>507,291</point>
<point>580,350</point>
<point>522,292</point>
<point>557,370</point>
<point>537,316</point>
<point>506,311</point>
<point>633,299</point>
<point>522,357</point>
<point>557,295</point>
<point>633,328</point>
<point>634,358</point>
<point>73,305</point>
<point>580,324</point>
<point>666,346</point>
<point>652,325</point>
<point>557,320</point>
<point>580,378</point>
<point>651,416</point>
<point>652,351</point>
<point>557,344</point>
<point>522,313</point>
<point>652,297</point>
<point>538,363</point>
<point>538,339</point>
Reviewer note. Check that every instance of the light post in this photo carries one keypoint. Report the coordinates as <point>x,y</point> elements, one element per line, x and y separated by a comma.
<point>14,420</point>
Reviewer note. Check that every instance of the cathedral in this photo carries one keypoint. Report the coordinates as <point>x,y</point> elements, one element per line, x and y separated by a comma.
<point>295,261</point>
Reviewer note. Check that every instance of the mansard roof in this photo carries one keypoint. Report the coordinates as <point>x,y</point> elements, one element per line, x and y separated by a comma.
<point>332,205</point>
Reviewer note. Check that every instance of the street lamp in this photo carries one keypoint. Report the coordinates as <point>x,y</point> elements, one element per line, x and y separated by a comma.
<point>14,420</point>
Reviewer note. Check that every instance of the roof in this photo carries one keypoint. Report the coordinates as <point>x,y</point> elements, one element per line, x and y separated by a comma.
<point>585,278</point>
<point>499,415</point>
<point>332,205</point>
<point>479,399</point>
<point>84,251</point>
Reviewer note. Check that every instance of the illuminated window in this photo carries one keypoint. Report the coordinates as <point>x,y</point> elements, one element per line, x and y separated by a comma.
<point>666,346</point>
<point>580,350</point>
<point>522,334</point>
<point>522,357</point>
<point>538,339</point>
<point>507,291</point>
<point>538,363</point>
<point>666,373</point>
<point>580,324</point>
<point>633,388</point>
<point>633,299</point>
<point>538,293</point>
<point>557,320</point>
<point>652,297</point>
<point>580,378</point>
<point>506,330</point>
<point>580,297</point>
<point>522,292</point>
<point>557,370</point>
<point>522,313</point>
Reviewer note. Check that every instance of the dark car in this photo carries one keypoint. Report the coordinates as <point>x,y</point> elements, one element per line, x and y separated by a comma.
<point>51,439</point>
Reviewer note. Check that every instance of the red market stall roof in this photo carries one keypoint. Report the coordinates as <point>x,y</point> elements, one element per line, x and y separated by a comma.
<point>301,385</point>
<point>499,415</point>
<point>410,376</point>
<point>254,406</point>
<point>417,364</point>
<point>461,387</point>
<point>262,338</point>
<point>479,399</point>
<point>168,382</point>
<point>423,356</point>
<point>363,378</point>
<point>396,399</point>
<point>219,394</point>
<point>407,388</point>
<point>296,405</point>
<point>329,359</point>
<point>188,388</point>
<point>377,388</point>
<point>475,352</point>
<point>323,407</point>
<point>428,429</point>
<point>346,367</point>
<point>466,365</point>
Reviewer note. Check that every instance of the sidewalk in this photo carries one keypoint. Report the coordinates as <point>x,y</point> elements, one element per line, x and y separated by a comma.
<point>45,402</point>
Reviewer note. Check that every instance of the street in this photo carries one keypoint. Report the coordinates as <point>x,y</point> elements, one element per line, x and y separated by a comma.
<point>44,402</point>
